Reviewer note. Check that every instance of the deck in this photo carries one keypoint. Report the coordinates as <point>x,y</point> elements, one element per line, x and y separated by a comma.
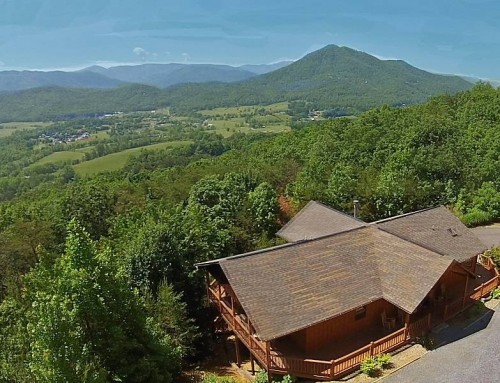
<point>333,362</point>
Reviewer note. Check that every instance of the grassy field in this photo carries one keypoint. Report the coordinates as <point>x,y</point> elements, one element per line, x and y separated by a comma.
<point>118,160</point>
<point>6,129</point>
<point>273,108</point>
<point>60,157</point>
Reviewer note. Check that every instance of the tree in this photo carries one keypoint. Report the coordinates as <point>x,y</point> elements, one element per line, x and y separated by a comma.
<point>86,325</point>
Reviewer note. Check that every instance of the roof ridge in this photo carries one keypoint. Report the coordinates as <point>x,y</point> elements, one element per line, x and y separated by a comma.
<point>277,247</point>
<point>339,211</point>
<point>405,215</point>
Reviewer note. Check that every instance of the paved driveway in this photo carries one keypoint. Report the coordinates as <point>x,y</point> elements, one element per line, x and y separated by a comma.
<point>490,235</point>
<point>473,359</point>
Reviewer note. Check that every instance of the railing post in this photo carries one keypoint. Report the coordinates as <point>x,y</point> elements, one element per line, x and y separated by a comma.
<point>481,291</point>
<point>405,332</point>
<point>268,357</point>
<point>332,371</point>
<point>371,348</point>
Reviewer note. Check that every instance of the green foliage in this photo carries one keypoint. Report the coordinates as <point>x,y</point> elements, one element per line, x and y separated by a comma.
<point>494,253</point>
<point>212,378</point>
<point>261,377</point>
<point>496,293</point>
<point>373,365</point>
<point>86,325</point>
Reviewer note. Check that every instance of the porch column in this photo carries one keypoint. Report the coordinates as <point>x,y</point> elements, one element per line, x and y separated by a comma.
<point>465,292</point>
<point>252,363</point>
<point>237,349</point>
<point>268,359</point>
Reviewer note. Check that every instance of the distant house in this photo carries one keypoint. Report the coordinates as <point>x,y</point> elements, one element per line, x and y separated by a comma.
<point>343,289</point>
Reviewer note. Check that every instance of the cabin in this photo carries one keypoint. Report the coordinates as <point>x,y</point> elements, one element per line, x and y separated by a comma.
<point>342,290</point>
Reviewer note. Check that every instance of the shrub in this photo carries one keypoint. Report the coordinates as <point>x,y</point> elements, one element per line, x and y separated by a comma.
<point>212,378</point>
<point>476,217</point>
<point>496,293</point>
<point>426,342</point>
<point>371,366</point>
<point>495,255</point>
<point>384,360</point>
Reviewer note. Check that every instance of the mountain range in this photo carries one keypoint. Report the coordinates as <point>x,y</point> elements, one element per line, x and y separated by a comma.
<point>340,79</point>
<point>158,75</point>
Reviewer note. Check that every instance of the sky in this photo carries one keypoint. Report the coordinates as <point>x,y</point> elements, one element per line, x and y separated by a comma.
<point>459,37</point>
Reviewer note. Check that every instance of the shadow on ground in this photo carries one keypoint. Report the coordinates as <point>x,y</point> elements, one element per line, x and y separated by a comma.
<point>462,327</point>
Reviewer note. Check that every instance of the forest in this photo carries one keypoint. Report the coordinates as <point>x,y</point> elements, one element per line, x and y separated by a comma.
<point>97,276</point>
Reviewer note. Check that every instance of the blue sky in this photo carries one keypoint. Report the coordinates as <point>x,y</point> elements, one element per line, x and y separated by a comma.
<point>461,37</point>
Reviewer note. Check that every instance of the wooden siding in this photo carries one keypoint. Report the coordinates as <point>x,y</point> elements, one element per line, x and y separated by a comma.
<point>322,334</point>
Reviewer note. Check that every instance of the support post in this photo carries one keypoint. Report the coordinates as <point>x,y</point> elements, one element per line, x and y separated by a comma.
<point>232,311</point>
<point>371,348</point>
<point>332,370</point>
<point>237,349</point>
<point>465,292</point>
<point>220,299</point>
<point>268,359</point>
<point>252,363</point>
<point>481,291</point>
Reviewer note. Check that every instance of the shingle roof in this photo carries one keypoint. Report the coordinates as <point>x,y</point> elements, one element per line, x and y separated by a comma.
<point>317,220</point>
<point>436,229</point>
<point>289,288</point>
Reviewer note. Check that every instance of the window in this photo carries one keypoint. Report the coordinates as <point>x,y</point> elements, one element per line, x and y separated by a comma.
<point>360,313</point>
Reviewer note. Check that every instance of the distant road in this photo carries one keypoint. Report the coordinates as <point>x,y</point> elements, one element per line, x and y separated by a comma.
<point>490,235</point>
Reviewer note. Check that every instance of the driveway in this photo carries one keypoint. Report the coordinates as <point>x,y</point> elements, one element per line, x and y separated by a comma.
<point>472,359</point>
<point>489,235</point>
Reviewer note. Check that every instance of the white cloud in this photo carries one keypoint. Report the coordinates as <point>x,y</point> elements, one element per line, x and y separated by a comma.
<point>141,52</point>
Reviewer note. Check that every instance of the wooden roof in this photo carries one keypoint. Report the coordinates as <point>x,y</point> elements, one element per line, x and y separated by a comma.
<point>317,220</point>
<point>290,287</point>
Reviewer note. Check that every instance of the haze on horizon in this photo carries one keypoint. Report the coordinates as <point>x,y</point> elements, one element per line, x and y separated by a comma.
<point>459,37</point>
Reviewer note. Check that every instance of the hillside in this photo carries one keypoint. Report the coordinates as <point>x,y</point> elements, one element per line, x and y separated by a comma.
<point>331,78</point>
<point>55,102</point>
<point>338,79</point>
<point>20,80</point>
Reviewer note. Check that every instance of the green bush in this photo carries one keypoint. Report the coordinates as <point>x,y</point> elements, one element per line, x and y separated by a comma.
<point>476,217</point>
<point>495,255</point>
<point>496,293</point>
<point>261,377</point>
<point>384,360</point>
<point>212,378</point>
<point>371,366</point>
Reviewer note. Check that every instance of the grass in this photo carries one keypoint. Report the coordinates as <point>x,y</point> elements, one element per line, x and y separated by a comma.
<point>273,108</point>
<point>116,161</point>
<point>64,156</point>
<point>6,129</point>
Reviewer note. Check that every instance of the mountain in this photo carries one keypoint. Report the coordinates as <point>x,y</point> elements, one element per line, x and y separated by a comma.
<point>165,75</point>
<point>264,68</point>
<point>338,79</point>
<point>18,80</point>
<point>333,77</point>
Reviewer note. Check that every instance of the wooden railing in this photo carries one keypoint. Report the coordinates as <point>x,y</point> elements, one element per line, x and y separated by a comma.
<point>243,330</point>
<point>330,369</point>
<point>300,367</point>
<point>420,326</point>
<point>485,288</point>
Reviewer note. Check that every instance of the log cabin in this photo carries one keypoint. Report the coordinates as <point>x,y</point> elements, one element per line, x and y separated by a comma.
<point>342,290</point>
